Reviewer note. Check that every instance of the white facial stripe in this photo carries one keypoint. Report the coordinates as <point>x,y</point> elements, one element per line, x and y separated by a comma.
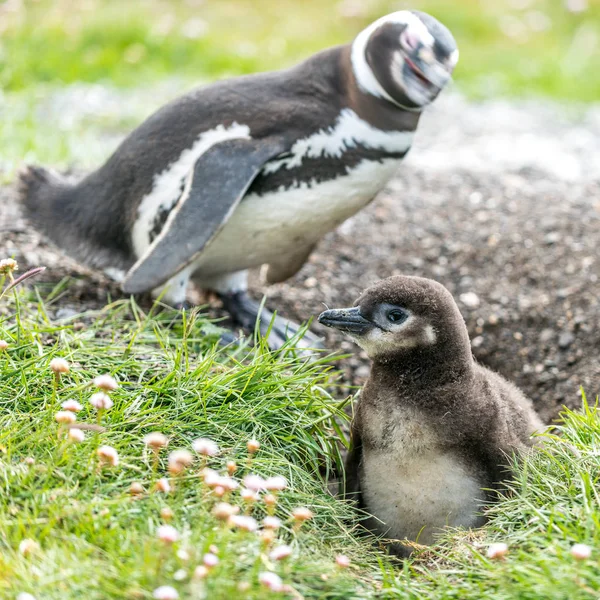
<point>362,71</point>
<point>378,342</point>
<point>349,131</point>
<point>166,189</point>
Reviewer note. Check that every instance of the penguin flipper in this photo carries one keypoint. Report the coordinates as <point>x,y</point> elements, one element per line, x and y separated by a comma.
<point>215,186</point>
<point>352,490</point>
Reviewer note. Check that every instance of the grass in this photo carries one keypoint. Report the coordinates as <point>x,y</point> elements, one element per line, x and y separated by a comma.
<point>92,537</point>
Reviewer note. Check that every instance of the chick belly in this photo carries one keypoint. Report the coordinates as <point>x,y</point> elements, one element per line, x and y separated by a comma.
<point>415,499</point>
<point>277,224</point>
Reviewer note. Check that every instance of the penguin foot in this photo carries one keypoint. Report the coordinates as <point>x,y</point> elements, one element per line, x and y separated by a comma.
<point>244,311</point>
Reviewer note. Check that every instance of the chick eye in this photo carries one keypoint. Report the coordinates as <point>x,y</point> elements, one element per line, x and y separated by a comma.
<point>396,315</point>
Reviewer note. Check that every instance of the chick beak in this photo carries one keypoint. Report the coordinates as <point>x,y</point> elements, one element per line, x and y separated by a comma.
<point>348,320</point>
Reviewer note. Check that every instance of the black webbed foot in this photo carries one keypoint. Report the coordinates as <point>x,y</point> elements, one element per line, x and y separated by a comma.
<point>244,312</point>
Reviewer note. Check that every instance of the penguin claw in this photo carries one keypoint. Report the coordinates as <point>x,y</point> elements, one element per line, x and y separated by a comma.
<point>185,305</point>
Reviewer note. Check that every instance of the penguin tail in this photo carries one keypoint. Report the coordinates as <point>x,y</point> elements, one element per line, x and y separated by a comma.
<point>54,206</point>
<point>46,198</point>
<point>40,193</point>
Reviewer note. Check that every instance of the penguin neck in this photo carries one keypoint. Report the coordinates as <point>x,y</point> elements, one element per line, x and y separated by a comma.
<point>444,364</point>
<point>379,112</point>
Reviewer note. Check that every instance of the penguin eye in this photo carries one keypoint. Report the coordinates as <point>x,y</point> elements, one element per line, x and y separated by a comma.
<point>396,315</point>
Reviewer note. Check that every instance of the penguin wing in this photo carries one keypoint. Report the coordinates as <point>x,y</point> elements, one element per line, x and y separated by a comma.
<point>352,489</point>
<point>215,186</point>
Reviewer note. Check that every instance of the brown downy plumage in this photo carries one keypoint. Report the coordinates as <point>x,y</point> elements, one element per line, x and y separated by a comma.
<point>433,430</point>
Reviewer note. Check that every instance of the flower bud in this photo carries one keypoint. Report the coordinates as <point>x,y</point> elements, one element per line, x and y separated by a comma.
<point>64,417</point>
<point>108,455</point>
<point>59,366</point>
<point>106,383</point>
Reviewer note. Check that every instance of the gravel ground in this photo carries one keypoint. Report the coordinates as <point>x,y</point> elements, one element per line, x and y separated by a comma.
<point>500,202</point>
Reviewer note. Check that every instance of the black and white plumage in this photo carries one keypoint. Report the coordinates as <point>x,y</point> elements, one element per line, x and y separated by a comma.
<point>433,431</point>
<point>251,171</point>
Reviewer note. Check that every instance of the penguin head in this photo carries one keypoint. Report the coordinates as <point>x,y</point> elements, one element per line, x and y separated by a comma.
<point>401,316</point>
<point>406,57</point>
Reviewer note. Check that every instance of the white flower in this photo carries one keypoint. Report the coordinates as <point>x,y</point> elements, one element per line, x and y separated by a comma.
<point>581,551</point>
<point>302,514</point>
<point>25,596</point>
<point>59,365</point>
<point>179,460</point>
<point>205,447</point>
<point>229,484</point>
<point>156,440</point>
<point>342,561</point>
<point>76,435</point>
<point>28,546</point>
<point>211,477</point>
<point>8,265</point>
<point>165,592</point>
<point>180,575</point>
<point>248,495</point>
<point>270,499</point>
<point>210,560</point>
<point>163,485</point>
<point>108,455</point>
<point>223,511</point>
<point>71,405</point>
<point>136,488</point>
<point>101,401</point>
<point>183,554</point>
<point>271,580</point>
<point>280,553</point>
<point>275,484</point>
<point>200,572</point>
<point>65,417</point>
<point>106,382</point>
<point>271,523</point>
<point>167,534</point>
<point>166,514</point>
<point>497,551</point>
<point>3,345</point>
<point>254,482</point>
<point>253,446</point>
<point>243,522</point>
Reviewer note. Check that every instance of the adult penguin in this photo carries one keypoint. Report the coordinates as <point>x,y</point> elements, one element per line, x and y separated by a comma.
<point>250,171</point>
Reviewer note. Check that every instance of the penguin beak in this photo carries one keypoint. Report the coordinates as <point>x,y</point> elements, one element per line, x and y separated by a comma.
<point>423,67</point>
<point>348,320</point>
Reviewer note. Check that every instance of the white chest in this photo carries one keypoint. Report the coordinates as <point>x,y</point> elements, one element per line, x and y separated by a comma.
<point>416,488</point>
<point>276,224</point>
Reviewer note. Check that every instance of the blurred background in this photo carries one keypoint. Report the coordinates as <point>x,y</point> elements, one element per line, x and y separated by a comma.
<point>92,69</point>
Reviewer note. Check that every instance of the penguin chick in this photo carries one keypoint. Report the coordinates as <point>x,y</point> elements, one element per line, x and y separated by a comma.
<point>433,431</point>
<point>250,171</point>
